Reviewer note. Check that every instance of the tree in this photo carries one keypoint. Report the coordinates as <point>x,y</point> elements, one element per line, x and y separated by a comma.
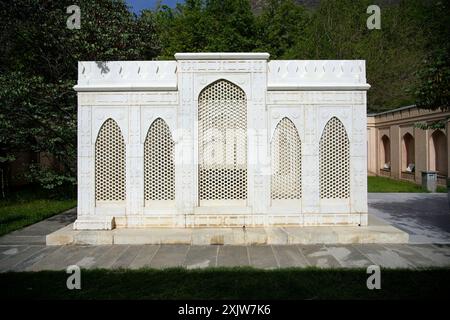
<point>281,28</point>
<point>38,65</point>
<point>433,88</point>
<point>338,31</point>
<point>205,25</point>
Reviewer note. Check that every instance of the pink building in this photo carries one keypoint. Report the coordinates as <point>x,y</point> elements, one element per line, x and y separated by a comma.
<point>398,148</point>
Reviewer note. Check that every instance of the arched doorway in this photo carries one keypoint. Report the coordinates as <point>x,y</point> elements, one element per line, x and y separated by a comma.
<point>438,152</point>
<point>222,145</point>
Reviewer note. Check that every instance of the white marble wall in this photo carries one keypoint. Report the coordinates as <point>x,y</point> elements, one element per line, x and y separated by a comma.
<point>135,93</point>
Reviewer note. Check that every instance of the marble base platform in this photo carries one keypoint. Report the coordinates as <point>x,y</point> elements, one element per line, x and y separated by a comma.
<point>377,231</point>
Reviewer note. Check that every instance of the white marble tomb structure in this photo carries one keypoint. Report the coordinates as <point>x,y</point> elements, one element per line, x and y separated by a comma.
<point>221,140</point>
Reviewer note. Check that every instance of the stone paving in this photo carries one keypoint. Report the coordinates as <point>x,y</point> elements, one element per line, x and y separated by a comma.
<point>424,216</point>
<point>35,234</point>
<point>40,257</point>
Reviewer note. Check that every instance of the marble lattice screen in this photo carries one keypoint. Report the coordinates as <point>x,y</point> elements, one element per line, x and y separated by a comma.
<point>221,140</point>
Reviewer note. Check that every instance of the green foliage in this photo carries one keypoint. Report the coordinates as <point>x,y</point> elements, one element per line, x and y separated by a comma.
<point>205,25</point>
<point>433,125</point>
<point>7,158</point>
<point>433,90</point>
<point>338,31</point>
<point>43,117</point>
<point>50,179</point>
<point>38,68</point>
<point>281,27</point>
<point>335,30</point>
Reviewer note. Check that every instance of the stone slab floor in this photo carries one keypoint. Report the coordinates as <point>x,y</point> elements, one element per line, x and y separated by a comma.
<point>40,257</point>
<point>425,217</point>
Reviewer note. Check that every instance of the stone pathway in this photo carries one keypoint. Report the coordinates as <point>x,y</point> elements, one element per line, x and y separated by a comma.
<point>424,216</point>
<point>35,234</point>
<point>40,257</point>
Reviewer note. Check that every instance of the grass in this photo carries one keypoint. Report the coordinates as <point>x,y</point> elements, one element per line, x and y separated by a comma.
<point>228,283</point>
<point>383,184</point>
<point>26,207</point>
<point>14,216</point>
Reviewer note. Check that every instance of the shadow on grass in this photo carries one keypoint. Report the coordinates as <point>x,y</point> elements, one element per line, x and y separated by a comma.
<point>12,218</point>
<point>228,283</point>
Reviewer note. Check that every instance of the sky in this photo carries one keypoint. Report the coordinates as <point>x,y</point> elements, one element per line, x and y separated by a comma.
<point>138,5</point>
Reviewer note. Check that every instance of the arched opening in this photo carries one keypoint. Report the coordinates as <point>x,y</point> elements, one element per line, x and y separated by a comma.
<point>110,163</point>
<point>334,154</point>
<point>408,158</point>
<point>438,152</point>
<point>385,153</point>
<point>286,183</point>
<point>222,145</point>
<point>159,166</point>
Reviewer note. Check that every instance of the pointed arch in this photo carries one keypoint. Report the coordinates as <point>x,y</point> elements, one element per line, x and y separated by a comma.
<point>334,161</point>
<point>286,154</point>
<point>222,142</point>
<point>110,159</point>
<point>159,166</point>
<point>408,152</point>
<point>438,152</point>
<point>385,154</point>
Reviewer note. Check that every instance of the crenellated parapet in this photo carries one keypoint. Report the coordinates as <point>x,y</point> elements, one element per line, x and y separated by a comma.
<point>127,76</point>
<point>317,75</point>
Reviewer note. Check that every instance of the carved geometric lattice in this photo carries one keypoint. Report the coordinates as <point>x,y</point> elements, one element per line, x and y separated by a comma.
<point>222,133</point>
<point>334,161</point>
<point>286,162</point>
<point>110,163</point>
<point>159,167</point>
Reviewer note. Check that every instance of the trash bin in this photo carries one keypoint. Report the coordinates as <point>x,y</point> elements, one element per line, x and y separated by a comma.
<point>448,191</point>
<point>429,180</point>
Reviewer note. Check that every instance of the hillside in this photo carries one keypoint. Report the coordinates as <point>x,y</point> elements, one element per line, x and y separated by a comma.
<point>257,5</point>
<point>316,29</point>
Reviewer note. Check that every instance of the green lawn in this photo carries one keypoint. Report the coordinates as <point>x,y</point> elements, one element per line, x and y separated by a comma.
<point>231,283</point>
<point>383,184</point>
<point>18,213</point>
